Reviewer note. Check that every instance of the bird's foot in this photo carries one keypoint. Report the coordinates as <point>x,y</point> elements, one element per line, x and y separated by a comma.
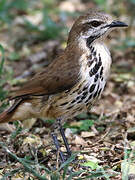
<point>65,140</point>
<point>56,143</point>
<point>63,157</point>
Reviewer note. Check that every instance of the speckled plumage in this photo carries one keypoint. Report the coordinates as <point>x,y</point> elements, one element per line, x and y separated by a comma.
<point>87,90</point>
<point>74,80</point>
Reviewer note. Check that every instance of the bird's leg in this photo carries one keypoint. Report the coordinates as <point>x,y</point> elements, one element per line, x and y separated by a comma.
<point>64,137</point>
<point>56,142</point>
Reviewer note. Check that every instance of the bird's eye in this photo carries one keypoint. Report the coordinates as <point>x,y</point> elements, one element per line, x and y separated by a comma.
<point>95,23</point>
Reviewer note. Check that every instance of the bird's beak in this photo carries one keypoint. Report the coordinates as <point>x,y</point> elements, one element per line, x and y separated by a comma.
<point>117,24</point>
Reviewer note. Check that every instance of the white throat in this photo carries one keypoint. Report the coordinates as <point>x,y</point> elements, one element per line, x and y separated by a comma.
<point>101,49</point>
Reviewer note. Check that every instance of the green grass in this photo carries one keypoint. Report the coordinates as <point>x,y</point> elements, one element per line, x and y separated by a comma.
<point>63,172</point>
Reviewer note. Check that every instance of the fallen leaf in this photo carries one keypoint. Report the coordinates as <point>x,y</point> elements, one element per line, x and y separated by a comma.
<point>79,140</point>
<point>86,134</point>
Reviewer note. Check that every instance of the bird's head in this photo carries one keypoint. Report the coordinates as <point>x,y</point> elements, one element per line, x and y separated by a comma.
<point>92,26</point>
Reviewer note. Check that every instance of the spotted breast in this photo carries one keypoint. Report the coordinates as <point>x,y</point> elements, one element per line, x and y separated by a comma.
<point>94,71</point>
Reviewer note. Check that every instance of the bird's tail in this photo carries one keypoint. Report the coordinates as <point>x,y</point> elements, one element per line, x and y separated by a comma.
<point>6,116</point>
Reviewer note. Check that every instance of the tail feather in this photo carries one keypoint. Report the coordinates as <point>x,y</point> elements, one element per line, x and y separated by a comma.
<point>5,117</point>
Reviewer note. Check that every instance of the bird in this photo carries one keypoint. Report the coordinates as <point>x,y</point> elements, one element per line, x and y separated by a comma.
<point>75,79</point>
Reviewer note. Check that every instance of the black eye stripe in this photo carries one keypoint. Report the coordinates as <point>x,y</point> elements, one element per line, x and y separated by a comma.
<point>95,23</point>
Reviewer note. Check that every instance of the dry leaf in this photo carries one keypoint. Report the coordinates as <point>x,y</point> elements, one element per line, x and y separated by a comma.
<point>86,134</point>
<point>79,140</point>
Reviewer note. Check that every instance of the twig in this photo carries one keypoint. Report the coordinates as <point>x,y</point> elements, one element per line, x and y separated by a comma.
<point>102,138</point>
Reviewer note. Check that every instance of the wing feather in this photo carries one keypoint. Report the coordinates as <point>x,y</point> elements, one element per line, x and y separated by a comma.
<point>62,74</point>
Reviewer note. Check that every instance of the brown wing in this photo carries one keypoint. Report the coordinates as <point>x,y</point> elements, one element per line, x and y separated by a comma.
<point>60,75</point>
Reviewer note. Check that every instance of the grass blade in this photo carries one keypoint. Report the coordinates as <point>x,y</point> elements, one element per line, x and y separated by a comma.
<point>2,58</point>
<point>27,167</point>
<point>73,156</point>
